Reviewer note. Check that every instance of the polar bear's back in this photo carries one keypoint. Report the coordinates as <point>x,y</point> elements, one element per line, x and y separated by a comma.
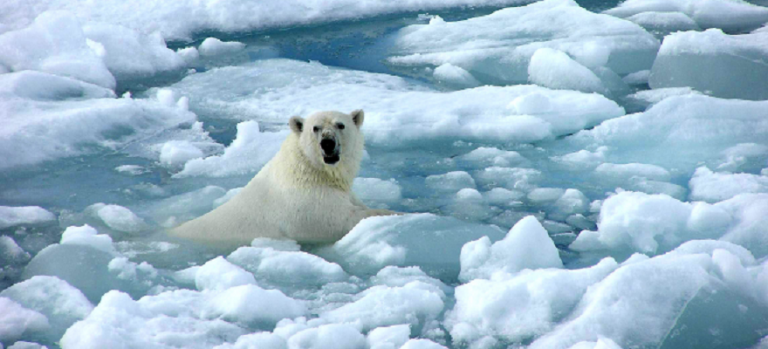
<point>264,209</point>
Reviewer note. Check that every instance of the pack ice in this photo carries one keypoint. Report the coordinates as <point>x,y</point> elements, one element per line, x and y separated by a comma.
<point>568,174</point>
<point>513,45</point>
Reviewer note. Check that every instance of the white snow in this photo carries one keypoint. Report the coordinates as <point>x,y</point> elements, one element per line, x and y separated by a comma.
<point>634,169</point>
<point>87,236</point>
<point>677,130</point>
<point>117,217</point>
<point>451,181</point>
<point>414,303</point>
<point>287,267</point>
<point>251,149</point>
<point>554,69</point>
<point>14,216</point>
<point>328,336</point>
<point>16,320</point>
<point>730,15</point>
<point>215,47</point>
<point>433,243</point>
<point>27,345</point>
<point>26,84</point>
<point>118,320</point>
<point>489,156</point>
<point>742,154</point>
<point>62,304</point>
<point>497,47</point>
<point>647,98</point>
<point>421,343</point>
<point>632,221</point>
<point>133,170</point>
<point>11,252</point>
<point>454,76</point>
<point>398,112</point>
<point>54,43</point>
<point>641,301</point>
<point>718,186</point>
<point>663,23</point>
<point>545,195</point>
<point>526,246</point>
<point>728,66</point>
<point>264,340</point>
<point>522,306</point>
<point>386,337</point>
<point>637,78</point>
<point>130,54</point>
<point>181,20</point>
<point>219,274</point>
<point>36,128</point>
<point>177,153</point>
<point>374,190</point>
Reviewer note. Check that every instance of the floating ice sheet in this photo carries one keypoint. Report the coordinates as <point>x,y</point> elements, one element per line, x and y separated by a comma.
<point>644,301</point>
<point>718,186</point>
<point>62,304</point>
<point>54,43</point>
<point>526,246</point>
<point>399,112</point>
<point>680,132</point>
<point>433,243</point>
<point>180,20</point>
<point>39,126</point>
<point>652,224</point>
<point>27,215</point>
<point>730,15</point>
<point>712,62</point>
<point>497,48</point>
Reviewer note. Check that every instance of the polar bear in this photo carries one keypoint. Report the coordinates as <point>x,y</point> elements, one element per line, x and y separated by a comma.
<point>303,193</point>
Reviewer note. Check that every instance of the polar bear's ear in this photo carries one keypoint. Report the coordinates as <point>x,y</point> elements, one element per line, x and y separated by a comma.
<point>357,117</point>
<point>297,124</point>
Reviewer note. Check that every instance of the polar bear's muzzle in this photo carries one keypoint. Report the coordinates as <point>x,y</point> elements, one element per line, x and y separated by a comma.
<point>330,149</point>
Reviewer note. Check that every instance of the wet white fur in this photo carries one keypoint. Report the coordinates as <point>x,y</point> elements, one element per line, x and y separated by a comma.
<point>296,195</point>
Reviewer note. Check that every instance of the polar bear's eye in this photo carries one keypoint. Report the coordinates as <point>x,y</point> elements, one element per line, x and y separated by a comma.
<point>340,126</point>
<point>316,128</point>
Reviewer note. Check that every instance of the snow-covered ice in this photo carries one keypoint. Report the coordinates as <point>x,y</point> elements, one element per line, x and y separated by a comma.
<point>38,126</point>
<point>181,20</point>
<point>407,240</point>
<point>55,43</point>
<point>13,216</point>
<point>398,111</point>
<point>526,246</point>
<point>715,63</point>
<point>730,15</point>
<point>497,48</point>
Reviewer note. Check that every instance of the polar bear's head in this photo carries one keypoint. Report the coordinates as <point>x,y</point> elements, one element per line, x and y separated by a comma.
<point>331,138</point>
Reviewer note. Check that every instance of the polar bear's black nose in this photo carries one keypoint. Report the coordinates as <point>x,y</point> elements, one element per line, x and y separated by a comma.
<point>328,145</point>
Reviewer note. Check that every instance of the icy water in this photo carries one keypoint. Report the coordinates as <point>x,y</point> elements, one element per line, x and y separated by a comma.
<point>562,215</point>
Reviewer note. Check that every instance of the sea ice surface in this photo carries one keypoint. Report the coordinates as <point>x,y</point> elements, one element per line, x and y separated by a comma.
<point>715,63</point>
<point>54,43</point>
<point>181,20</point>
<point>497,48</point>
<point>13,216</point>
<point>729,15</point>
<point>399,112</point>
<point>39,127</point>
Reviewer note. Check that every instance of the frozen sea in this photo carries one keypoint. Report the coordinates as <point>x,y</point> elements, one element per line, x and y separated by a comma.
<point>574,174</point>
